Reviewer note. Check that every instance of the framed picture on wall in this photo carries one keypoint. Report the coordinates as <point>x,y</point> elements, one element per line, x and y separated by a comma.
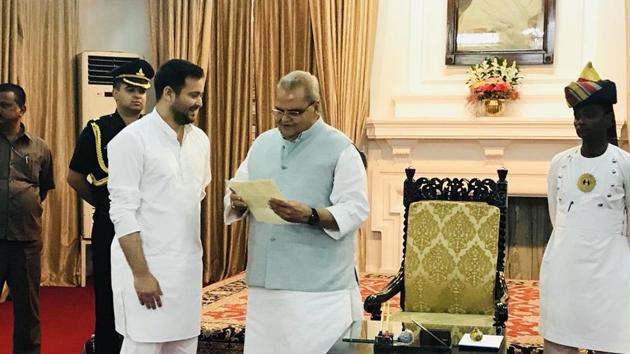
<point>521,30</point>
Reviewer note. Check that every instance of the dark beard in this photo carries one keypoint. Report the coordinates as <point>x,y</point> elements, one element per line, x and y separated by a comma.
<point>180,117</point>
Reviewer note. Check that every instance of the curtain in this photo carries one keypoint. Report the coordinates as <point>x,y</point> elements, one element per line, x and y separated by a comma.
<point>180,29</point>
<point>10,38</point>
<point>216,36</point>
<point>283,42</point>
<point>12,41</point>
<point>344,34</point>
<point>52,33</point>
<point>39,41</point>
<point>230,119</point>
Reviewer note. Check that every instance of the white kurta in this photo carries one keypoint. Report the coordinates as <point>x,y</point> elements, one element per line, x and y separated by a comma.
<point>156,186</point>
<point>280,321</point>
<point>585,272</point>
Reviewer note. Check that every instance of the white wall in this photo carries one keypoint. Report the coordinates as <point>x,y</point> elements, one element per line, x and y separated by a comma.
<point>411,44</point>
<point>116,25</point>
<point>418,114</point>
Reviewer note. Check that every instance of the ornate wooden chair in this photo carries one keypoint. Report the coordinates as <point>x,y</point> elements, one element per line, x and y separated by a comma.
<point>451,275</point>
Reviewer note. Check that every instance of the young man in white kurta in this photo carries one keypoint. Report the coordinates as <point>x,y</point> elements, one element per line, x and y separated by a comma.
<point>159,169</point>
<point>299,301</point>
<point>585,272</point>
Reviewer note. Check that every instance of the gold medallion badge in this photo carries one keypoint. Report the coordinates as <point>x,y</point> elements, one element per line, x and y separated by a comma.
<point>586,182</point>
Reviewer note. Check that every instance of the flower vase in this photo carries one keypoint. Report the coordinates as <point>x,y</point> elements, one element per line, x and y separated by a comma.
<point>494,107</point>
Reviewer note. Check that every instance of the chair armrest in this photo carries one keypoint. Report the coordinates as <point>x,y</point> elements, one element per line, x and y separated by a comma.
<point>500,288</point>
<point>373,302</point>
<point>501,304</point>
<point>500,316</point>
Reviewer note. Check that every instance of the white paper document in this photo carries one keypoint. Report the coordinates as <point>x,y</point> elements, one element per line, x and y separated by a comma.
<point>257,194</point>
<point>487,341</point>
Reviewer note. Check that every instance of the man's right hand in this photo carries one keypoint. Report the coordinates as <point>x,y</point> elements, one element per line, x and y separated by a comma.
<point>148,290</point>
<point>237,202</point>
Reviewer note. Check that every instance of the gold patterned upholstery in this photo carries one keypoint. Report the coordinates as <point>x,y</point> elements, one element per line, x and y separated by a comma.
<point>450,265</point>
<point>451,275</point>
<point>451,257</point>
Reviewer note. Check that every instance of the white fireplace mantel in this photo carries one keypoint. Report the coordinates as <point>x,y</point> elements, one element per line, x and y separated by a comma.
<point>479,128</point>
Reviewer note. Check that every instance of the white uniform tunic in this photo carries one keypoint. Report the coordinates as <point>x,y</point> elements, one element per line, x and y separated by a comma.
<point>585,272</point>
<point>156,186</point>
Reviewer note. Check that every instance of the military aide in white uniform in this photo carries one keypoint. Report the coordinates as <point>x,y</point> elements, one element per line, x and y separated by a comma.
<point>302,290</point>
<point>585,272</point>
<point>159,168</point>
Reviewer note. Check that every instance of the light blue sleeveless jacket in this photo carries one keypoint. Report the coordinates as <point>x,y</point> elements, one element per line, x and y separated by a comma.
<point>299,257</point>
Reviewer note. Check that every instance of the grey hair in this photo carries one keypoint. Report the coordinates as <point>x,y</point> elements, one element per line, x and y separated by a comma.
<point>301,79</point>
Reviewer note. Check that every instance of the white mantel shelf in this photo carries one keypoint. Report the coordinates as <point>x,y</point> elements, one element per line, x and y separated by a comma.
<point>479,128</point>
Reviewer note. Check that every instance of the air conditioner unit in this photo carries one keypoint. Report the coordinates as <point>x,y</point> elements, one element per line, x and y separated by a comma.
<point>95,100</point>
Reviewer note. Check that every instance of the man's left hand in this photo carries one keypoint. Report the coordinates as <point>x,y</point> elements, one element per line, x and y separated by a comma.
<point>291,210</point>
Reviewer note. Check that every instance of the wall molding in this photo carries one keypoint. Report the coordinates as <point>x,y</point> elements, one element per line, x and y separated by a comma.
<point>477,128</point>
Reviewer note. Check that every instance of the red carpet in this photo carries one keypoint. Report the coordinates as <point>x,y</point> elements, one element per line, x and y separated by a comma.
<point>224,305</point>
<point>67,320</point>
<point>67,314</point>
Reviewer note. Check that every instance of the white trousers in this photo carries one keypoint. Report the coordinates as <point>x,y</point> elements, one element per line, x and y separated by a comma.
<point>294,322</point>
<point>184,346</point>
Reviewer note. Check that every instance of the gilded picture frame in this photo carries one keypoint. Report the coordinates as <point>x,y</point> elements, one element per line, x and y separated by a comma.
<point>521,30</point>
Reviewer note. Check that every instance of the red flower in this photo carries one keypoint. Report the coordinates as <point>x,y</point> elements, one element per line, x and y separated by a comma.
<point>485,88</point>
<point>502,86</point>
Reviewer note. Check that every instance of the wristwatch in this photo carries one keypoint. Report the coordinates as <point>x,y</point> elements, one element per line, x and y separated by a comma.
<point>314,218</point>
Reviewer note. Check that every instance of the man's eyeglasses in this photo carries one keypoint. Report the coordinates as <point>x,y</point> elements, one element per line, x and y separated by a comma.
<point>291,113</point>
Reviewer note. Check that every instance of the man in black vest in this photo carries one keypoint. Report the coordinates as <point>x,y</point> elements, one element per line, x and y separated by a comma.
<point>88,177</point>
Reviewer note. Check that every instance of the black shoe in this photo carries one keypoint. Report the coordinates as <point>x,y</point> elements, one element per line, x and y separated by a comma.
<point>88,347</point>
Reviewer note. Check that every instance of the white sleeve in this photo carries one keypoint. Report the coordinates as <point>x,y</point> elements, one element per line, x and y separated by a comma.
<point>125,156</point>
<point>552,189</point>
<point>207,178</point>
<point>229,214</point>
<point>349,194</point>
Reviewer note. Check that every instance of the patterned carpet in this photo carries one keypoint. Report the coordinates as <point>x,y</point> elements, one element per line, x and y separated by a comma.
<point>224,306</point>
